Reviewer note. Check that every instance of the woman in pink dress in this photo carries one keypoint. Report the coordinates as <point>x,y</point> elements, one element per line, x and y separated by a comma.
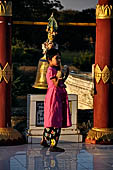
<point>56,106</point>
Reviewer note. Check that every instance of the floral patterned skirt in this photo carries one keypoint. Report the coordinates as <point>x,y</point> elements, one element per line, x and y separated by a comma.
<point>52,134</point>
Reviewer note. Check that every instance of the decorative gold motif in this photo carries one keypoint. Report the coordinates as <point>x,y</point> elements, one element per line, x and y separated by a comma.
<point>104,11</point>
<point>0,74</point>
<point>111,76</point>
<point>52,28</point>
<point>103,129</point>
<point>6,73</point>
<point>101,134</point>
<point>98,73</point>
<point>9,134</point>
<point>104,74</point>
<point>5,8</point>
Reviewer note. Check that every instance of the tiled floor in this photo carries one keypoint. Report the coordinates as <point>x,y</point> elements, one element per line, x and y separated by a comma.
<point>77,156</point>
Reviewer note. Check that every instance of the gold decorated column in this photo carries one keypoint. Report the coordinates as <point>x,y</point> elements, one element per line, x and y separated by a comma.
<point>102,132</point>
<point>8,136</point>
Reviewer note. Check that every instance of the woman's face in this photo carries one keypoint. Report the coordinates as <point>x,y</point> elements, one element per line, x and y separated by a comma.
<point>55,61</point>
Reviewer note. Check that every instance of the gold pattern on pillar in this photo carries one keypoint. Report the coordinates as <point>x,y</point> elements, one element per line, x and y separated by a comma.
<point>10,136</point>
<point>104,74</point>
<point>5,8</point>
<point>104,11</point>
<point>5,73</point>
<point>100,135</point>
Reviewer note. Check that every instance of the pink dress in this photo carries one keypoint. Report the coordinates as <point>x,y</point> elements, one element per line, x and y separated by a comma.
<point>56,106</point>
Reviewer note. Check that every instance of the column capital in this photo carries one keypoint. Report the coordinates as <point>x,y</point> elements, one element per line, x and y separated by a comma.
<point>5,8</point>
<point>104,11</point>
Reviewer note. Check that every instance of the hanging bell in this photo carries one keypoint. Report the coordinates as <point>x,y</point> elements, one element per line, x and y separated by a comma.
<point>40,81</point>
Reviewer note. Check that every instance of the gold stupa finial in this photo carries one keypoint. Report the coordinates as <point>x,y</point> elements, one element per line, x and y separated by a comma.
<point>5,8</point>
<point>41,81</point>
<point>52,28</point>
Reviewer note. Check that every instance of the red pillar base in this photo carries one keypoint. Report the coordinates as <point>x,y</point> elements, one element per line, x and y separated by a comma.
<point>10,136</point>
<point>100,136</point>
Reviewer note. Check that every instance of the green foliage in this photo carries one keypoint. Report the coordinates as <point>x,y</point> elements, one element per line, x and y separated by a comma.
<point>67,57</point>
<point>34,10</point>
<point>26,56</point>
<point>71,38</point>
<point>87,15</point>
<point>23,80</point>
<point>21,85</point>
<point>74,42</point>
<point>82,60</point>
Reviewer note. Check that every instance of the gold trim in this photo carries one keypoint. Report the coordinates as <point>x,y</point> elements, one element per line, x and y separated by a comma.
<point>0,74</point>
<point>111,76</point>
<point>6,73</point>
<point>9,134</point>
<point>5,8</point>
<point>104,11</point>
<point>104,74</point>
<point>61,23</point>
<point>98,73</point>
<point>52,28</point>
<point>103,129</point>
<point>100,134</point>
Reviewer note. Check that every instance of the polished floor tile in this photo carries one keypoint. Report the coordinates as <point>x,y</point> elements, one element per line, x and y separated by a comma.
<point>77,156</point>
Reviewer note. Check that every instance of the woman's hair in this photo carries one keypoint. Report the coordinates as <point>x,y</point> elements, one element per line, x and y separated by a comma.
<point>51,53</point>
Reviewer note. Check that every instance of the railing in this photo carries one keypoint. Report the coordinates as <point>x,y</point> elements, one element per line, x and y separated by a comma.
<point>61,23</point>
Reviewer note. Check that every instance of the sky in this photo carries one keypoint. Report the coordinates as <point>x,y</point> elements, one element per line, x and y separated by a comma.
<point>78,4</point>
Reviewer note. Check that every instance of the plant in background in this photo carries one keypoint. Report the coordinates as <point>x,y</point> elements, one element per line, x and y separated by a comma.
<point>82,60</point>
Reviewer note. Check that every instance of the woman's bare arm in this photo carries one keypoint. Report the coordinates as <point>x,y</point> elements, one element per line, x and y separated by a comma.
<point>56,81</point>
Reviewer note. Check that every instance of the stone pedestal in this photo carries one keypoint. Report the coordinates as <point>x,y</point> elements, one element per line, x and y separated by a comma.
<point>35,120</point>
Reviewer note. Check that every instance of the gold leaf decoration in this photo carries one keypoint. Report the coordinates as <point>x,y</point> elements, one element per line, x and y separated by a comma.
<point>105,74</point>
<point>5,8</point>
<point>6,73</point>
<point>111,76</point>
<point>98,73</point>
<point>104,11</point>
<point>0,74</point>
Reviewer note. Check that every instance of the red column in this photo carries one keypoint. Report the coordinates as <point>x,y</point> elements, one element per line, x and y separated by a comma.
<point>103,57</point>
<point>103,103</point>
<point>8,135</point>
<point>5,57</point>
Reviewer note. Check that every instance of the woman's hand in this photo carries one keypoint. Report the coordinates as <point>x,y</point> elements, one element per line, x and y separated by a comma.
<point>57,78</point>
<point>59,74</point>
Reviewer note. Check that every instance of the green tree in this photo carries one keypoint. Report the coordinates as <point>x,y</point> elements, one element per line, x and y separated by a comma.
<point>87,15</point>
<point>34,9</point>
